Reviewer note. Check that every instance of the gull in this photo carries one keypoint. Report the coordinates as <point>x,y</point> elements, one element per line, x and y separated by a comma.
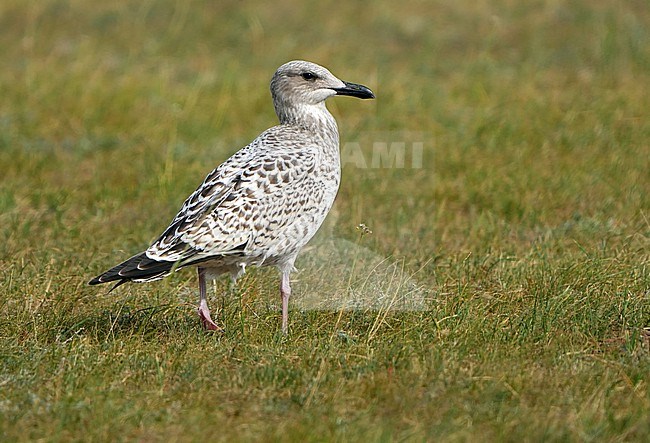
<point>263,204</point>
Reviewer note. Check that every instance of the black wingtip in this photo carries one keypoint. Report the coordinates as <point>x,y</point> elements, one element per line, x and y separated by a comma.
<point>139,268</point>
<point>98,281</point>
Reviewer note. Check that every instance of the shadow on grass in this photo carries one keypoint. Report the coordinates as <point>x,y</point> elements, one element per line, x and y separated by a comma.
<point>124,321</point>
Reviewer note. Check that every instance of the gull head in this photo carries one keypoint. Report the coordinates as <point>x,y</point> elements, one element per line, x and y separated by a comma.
<point>299,83</point>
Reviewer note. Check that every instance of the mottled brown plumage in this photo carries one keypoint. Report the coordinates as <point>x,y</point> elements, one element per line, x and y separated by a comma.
<point>263,204</point>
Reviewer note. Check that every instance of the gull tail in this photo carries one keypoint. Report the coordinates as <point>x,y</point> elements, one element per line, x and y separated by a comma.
<point>138,268</point>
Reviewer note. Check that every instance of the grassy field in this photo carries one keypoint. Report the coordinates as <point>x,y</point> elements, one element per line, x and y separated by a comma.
<point>525,230</point>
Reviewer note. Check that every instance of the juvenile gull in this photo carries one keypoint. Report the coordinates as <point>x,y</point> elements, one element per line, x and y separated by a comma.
<point>263,204</point>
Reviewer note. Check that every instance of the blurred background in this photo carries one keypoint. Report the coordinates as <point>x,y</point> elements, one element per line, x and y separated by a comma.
<point>532,115</point>
<point>524,226</point>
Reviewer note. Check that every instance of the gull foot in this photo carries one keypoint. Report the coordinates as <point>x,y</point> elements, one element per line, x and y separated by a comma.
<point>206,320</point>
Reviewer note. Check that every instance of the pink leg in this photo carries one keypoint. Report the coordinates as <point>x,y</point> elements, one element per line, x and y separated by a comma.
<point>285,292</point>
<point>204,311</point>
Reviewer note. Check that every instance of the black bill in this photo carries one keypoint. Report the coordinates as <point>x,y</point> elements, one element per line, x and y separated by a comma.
<point>354,90</point>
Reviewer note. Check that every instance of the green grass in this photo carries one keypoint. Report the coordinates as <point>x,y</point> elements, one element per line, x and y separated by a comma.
<point>527,228</point>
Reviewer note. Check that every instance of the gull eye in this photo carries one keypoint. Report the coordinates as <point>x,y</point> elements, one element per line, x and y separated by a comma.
<point>310,76</point>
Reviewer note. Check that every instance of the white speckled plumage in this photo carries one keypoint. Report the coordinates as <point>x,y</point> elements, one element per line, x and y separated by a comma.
<point>263,204</point>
